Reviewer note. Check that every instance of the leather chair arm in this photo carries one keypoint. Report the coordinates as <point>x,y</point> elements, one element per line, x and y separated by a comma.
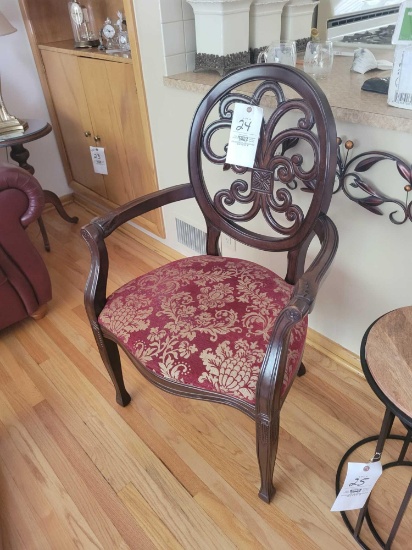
<point>13,177</point>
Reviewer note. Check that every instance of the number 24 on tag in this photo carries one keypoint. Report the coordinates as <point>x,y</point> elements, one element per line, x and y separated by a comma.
<point>244,135</point>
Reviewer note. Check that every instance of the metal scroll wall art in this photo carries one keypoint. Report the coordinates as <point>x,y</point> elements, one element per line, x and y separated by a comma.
<point>348,178</point>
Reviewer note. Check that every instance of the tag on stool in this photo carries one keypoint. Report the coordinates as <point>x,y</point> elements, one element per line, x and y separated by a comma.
<point>359,482</point>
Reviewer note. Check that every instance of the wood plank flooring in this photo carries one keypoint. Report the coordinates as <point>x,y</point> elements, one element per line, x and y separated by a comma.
<point>79,472</point>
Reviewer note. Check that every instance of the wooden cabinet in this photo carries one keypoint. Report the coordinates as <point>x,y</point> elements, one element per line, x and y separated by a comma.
<point>74,118</point>
<point>95,99</point>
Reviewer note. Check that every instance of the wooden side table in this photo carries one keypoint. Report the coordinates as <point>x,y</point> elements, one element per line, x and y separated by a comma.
<point>386,357</point>
<point>36,130</point>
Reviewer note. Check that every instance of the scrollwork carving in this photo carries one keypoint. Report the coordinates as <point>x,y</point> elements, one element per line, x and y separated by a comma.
<point>294,315</point>
<point>275,173</point>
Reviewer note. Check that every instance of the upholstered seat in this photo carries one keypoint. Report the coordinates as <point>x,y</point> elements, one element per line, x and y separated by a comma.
<point>204,321</point>
<point>222,329</point>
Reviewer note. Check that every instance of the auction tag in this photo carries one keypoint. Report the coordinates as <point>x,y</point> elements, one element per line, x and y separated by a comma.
<point>244,135</point>
<point>359,482</point>
<point>99,160</point>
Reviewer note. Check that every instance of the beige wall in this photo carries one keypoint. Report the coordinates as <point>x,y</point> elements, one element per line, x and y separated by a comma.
<point>24,98</point>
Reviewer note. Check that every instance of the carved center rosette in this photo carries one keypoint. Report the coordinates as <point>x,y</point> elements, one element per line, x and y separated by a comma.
<point>274,173</point>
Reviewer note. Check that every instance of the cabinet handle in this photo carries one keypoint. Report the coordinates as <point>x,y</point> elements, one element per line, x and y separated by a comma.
<point>87,134</point>
<point>96,138</point>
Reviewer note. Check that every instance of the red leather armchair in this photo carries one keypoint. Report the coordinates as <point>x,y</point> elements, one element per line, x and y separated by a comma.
<point>25,286</point>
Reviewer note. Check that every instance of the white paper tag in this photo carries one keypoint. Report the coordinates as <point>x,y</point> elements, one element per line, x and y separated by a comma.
<point>400,84</point>
<point>359,482</point>
<point>99,160</point>
<point>244,135</point>
<point>405,75</point>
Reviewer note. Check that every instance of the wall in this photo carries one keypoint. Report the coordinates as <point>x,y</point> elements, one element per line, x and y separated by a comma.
<point>371,273</point>
<point>24,99</point>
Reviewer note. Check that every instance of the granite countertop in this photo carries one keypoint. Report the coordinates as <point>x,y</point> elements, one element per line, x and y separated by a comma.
<point>342,87</point>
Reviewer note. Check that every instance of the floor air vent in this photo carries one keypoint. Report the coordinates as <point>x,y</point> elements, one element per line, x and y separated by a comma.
<point>190,236</point>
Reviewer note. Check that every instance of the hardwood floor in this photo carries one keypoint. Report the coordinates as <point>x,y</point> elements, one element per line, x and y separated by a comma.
<point>78,471</point>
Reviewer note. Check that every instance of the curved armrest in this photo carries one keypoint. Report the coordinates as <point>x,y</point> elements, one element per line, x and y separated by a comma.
<point>13,177</point>
<point>307,286</point>
<point>98,229</point>
<point>115,218</point>
<point>300,304</point>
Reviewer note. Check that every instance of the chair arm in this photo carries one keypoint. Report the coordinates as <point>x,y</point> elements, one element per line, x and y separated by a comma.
<point>300,304</point>
<point>307,286</point>
<point>113,219</point>
<point>13,177</point>
<point>98,229</point>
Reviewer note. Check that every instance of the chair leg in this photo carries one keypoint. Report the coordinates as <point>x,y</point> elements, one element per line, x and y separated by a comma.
<point>267,436</point>
<point>302,370</point>
<point>110,355</point>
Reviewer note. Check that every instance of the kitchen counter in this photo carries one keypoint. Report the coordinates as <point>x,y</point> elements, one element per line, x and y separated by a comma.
<point>342,87</point>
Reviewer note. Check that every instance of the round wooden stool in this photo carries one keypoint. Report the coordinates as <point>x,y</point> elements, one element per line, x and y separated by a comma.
<point>386,357</point>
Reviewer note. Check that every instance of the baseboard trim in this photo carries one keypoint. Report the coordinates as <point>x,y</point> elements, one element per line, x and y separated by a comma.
<point>327,347</point>
<point>334,351</point>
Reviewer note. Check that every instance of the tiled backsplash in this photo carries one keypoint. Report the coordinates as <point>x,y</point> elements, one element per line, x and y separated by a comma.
<point>179,39</point>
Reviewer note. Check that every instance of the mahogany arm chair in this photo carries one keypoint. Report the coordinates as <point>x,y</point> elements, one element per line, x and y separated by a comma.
<point>225,329</point>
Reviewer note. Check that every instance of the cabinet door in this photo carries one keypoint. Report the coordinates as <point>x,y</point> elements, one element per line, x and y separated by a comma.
<point>116,116</point>
<point>65,83</point>
<point>107,126</point>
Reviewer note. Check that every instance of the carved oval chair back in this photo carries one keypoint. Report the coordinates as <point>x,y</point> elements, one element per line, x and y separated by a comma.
<point>227,329</point>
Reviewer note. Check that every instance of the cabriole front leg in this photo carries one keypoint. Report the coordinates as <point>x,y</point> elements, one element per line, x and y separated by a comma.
<point>267,437</point>
<point>109,353</point>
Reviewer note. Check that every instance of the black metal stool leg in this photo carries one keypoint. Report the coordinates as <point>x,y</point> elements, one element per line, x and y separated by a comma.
<point>405,446</point>
<point>384,433</point>
<point>400,515</point>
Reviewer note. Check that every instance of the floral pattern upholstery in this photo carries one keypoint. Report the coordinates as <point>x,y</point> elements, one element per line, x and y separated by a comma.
<point>205,322</point>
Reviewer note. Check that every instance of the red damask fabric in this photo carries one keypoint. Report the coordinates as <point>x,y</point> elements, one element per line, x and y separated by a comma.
<point>205,322</point>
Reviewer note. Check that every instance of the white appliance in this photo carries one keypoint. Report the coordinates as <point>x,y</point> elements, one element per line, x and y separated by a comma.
<point>358,23</point>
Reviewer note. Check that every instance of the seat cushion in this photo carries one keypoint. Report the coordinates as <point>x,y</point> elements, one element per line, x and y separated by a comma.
<point>205,322</point>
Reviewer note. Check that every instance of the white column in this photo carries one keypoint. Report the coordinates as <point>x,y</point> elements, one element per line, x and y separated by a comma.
<point>222,33</point>
<point>297,19</point>
<point>265,22</point>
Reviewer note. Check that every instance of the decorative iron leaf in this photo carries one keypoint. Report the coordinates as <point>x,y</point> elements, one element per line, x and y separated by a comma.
<point>365,164</point>
<point>372,201</point>
<point>404,171</point>
<point>360,184</point>
<point>370,207</point>
<point>371,204</point>
<point>288,144</point>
